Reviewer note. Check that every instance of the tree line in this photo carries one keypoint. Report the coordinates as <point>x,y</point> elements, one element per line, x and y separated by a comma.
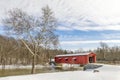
<point>13,52</point>
<point>106,53</point>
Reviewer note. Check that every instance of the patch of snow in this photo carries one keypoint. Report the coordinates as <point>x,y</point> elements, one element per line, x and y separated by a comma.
<point>76,54</point>
<point>21,66</point>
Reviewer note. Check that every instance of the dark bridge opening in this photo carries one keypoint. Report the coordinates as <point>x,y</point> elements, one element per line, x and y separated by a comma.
<point>91,59</point>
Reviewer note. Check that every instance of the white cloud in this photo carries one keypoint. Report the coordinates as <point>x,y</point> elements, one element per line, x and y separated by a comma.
<point>96,28</point>
<point>64,28</point>
<point>101,12</point>
<point>87,45</point>
<point>88,42</point>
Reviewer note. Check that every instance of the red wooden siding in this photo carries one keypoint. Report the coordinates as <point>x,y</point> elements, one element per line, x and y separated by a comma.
<point>76,59</point>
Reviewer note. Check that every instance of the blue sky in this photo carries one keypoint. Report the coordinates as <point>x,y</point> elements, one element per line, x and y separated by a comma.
<point>81,23</point>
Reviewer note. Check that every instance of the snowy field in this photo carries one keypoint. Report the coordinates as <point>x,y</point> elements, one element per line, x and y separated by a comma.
<point>106,72</point>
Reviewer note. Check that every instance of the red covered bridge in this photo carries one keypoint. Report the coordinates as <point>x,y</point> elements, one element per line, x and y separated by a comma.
<point>78,58</point>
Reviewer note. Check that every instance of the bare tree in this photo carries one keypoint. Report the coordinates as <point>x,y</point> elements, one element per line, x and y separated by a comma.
<point>39,31</point>
<point>104,48</point>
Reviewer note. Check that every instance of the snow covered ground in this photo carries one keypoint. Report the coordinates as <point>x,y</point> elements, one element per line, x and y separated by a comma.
<point>106,72</point>
<point>21,66</point>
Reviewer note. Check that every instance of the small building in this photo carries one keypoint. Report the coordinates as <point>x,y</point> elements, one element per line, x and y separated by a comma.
<point>77,58</point>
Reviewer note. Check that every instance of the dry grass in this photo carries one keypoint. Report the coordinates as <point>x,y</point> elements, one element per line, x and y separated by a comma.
<point>11,72</point>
